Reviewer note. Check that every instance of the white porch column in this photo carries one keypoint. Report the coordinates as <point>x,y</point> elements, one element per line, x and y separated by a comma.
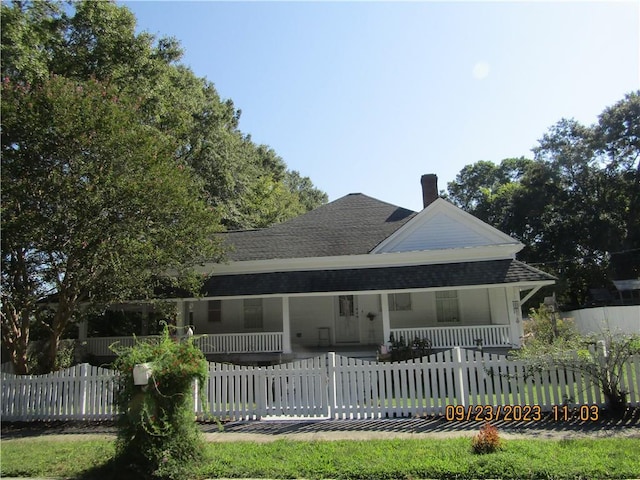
<point>83,328</point>
<point>286,326</point>
<point>515,316</point>
<point>83,325</point>
<point>386,318</point>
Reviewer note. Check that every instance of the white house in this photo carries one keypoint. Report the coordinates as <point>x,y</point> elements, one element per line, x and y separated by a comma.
<point>351,273</point>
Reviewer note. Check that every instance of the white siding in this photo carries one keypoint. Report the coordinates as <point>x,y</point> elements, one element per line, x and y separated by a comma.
<point>474,307</point>
<point>307,315</point>
<point>498,306</point>
<point>370,331</point>
<point>443,226</point>
<point>440,232</point>
<point>233,317</point>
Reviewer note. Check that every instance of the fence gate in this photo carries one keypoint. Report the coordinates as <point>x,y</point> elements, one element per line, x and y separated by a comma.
<point>297,389</point>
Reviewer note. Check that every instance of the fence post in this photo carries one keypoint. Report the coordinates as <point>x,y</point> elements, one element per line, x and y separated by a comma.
<point>198,410</point>
<point>331,381</point>
<point>261,395</point>
<point>83,390</point>
<point>458,372</point>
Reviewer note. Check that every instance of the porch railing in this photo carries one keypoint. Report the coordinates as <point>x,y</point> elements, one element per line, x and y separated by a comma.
<point>100,346</point>
<point>449,337</point>
<point>268,342</point>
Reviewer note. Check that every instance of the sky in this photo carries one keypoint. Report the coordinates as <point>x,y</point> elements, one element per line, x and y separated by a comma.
<point>367,96</point>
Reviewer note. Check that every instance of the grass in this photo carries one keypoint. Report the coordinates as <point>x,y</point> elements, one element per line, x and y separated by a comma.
<point>377,459</point>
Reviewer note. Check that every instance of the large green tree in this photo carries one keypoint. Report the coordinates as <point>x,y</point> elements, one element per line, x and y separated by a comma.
<point>574,205</point>
<point>95,207</point>
<point>111,148</point>
<point>246,182</point>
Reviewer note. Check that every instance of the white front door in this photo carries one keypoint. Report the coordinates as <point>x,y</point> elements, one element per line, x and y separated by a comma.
<point>347,320</point>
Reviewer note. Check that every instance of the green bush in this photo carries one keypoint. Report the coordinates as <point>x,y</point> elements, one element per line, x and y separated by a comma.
<point>158,436</point>
<point>601,357</point>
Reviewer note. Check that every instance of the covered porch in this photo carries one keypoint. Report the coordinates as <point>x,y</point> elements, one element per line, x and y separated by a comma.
<point>297,326</point>
<point>291,314</point>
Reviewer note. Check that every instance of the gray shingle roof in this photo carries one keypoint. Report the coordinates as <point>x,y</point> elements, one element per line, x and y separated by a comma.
<point>351,225</point>
<point>488,272</point>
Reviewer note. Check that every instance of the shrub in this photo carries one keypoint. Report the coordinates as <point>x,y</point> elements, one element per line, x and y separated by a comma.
<point>601,357</point>
<point>487,440</point>
<point>158,436</point>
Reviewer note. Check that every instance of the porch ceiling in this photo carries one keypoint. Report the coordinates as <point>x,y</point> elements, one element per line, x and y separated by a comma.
<point>375,279</point>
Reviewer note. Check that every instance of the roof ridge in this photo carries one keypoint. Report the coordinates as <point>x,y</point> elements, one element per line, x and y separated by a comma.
<point>377,200</point>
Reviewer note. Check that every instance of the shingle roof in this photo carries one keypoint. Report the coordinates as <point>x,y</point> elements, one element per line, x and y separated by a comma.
<point>351,225</point>
<point>488,272</point>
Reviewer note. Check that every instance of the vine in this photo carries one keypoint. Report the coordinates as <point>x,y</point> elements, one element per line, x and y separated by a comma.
<point>157,435</point>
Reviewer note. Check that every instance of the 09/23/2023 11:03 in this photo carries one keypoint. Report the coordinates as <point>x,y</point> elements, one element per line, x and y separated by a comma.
<point>521,413</point>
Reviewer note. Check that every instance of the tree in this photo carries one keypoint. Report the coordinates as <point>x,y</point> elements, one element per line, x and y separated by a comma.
<point>86,99</point>
<point>617,138</point>
<point>245,182</point>
<point>95,207</point>
<point>309,196</point>
<point>573,204</point>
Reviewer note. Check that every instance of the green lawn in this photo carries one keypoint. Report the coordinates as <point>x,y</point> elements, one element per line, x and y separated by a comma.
<point>379,459</point>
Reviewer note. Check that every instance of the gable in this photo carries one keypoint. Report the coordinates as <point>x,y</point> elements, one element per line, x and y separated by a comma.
<point>441,226</point>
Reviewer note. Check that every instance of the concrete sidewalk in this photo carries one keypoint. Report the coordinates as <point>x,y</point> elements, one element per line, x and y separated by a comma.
<point>365,429</point>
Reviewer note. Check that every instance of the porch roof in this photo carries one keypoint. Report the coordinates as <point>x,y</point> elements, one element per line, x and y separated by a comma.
<point>488,272</point>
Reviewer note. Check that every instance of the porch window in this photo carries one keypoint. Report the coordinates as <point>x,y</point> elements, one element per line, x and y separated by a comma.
<point>399,302</point>
<point>447,306</point>
<point>214,311</point>
<point>252,313</point>
<point>346,305</point>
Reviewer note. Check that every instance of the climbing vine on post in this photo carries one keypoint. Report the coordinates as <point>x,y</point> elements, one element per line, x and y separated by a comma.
<point>158,436</point>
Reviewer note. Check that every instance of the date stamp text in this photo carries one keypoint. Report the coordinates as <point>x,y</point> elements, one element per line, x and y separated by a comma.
<point>520,413</point>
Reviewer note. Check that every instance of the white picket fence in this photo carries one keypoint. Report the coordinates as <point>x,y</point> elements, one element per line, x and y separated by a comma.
<point>327,386</point>
<point>83,392</point>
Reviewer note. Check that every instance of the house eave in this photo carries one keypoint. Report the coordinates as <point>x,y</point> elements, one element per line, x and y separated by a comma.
<point>452,255</point>
<point>449,276</point>
<point>522,286</point>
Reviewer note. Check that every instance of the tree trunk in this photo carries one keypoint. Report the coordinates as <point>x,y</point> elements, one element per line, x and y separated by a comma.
<point>15,336</point>
<point>616,402</point>
<point>64,315</point>
<point>18,356</point>
<point>49,363</point>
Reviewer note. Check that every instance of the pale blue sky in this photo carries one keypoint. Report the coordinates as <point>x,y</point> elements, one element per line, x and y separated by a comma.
<point>367,96</point>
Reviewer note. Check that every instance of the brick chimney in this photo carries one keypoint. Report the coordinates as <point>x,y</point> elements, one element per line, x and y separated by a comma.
<point>429,188</point>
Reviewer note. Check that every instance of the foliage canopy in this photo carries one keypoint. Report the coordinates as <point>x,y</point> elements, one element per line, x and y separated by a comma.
<point>95,207</point>
<point>574,205</point>
<point>119,165</point>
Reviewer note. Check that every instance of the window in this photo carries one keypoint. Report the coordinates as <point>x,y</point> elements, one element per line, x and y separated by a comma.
<point>252,313</point>
<point>214,311</point>
<point>399,301</point>
<point>447,306</point>
<point>346,305</point>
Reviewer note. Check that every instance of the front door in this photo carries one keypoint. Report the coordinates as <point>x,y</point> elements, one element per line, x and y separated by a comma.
<point>347,320</point>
